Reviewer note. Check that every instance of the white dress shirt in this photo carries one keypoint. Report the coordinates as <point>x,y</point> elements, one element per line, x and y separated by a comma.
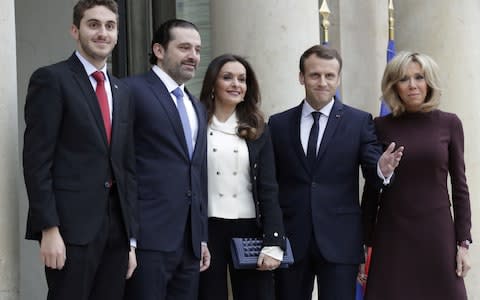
<point>306,123</point>
<point>172,85</point>
<point>90,69</point>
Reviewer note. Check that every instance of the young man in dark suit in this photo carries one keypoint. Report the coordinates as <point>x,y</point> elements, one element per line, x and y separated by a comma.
<point>319,146</point>
<point>170,145</point>
<point>79,164</point>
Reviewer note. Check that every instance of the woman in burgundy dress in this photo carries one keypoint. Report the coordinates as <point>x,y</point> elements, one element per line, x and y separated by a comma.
<point>419,251</point>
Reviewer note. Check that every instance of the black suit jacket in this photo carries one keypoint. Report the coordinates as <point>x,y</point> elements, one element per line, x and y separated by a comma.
<point>323,201</point>
<point>265,190</point>
<point>67,162</point>
<point>171,187</point>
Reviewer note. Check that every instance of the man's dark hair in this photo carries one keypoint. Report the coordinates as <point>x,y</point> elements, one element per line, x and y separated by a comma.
<point>83,5</point>
<point>321,52</point>
<point>163,35</point>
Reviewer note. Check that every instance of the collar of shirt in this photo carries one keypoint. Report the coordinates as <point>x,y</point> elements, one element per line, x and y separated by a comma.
<point>89,68</point>
<point>228,127</point>
<point>307,109</point>
<point>167,80</point>
<point>306,122</point>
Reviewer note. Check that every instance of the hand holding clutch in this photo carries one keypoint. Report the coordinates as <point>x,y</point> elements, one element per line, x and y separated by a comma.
<point>246,252</point>
<point>267,263</point>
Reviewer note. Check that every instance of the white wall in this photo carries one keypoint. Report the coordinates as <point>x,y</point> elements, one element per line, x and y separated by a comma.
<point>448,32</point>
<point>42,38</point>
<point>8,155</point>
<point>271,35</point>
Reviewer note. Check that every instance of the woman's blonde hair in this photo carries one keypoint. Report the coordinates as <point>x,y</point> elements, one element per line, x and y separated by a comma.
<point>396,70</point>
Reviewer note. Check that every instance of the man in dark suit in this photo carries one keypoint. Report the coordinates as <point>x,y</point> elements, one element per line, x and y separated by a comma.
<point>79,164</point>
<point>319,147</point>
<point>170,144</point>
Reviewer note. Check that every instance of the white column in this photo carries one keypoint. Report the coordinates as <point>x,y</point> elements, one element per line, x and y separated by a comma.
<point>363,37</point>
<point>271,35</point>
<point>448,32</point>
<point>8,155</point>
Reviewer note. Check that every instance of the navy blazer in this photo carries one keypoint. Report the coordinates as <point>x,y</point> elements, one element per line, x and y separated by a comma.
<point>265,190</point>
<point>171,187</point>
<point>67,162</point>
<point>323,201</point>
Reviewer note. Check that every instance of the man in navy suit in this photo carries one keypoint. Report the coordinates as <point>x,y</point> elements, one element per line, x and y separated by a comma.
<point>170,145</point>
<point>79,164</point>
<point>319,146</point>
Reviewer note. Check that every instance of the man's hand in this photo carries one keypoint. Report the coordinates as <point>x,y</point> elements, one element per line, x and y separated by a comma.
<point>267,263</point>
<point>52,249</point>
<point>362,276</point>
<point>205,260</point>
<point>390,160</point>
<point>132,262</point>
<point>463,262</point>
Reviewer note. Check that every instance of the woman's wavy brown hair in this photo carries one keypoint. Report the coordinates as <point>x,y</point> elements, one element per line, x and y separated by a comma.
<point>251,121</point>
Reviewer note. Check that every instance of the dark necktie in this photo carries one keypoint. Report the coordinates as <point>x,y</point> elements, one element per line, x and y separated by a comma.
<point>182,111</point>
<point>103,102</point>
<point>312,139</point>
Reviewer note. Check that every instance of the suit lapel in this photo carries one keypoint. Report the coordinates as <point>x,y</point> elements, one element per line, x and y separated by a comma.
<point>81,77</point>
<point>333,121</point>
<point>116,100</point>
<point>202,125</point>
<point>164,98</point>
<point>295,134</point>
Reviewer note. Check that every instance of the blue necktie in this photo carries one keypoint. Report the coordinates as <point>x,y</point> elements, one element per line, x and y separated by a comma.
<point>182,111</point>
<point>312,140</point>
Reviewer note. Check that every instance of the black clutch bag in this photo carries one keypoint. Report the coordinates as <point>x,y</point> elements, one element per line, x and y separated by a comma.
<point>245,253</point>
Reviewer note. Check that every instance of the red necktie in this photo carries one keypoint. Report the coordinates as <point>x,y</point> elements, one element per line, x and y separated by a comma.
<point>103,102</point>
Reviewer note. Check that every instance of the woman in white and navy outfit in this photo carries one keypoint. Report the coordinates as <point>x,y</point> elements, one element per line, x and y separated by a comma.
<point>242,189</point>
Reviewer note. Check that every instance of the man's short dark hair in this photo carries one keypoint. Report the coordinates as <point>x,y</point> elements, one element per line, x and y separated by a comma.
<point>321,52</point>
<point>163,35</point>
<point>83,5</point>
